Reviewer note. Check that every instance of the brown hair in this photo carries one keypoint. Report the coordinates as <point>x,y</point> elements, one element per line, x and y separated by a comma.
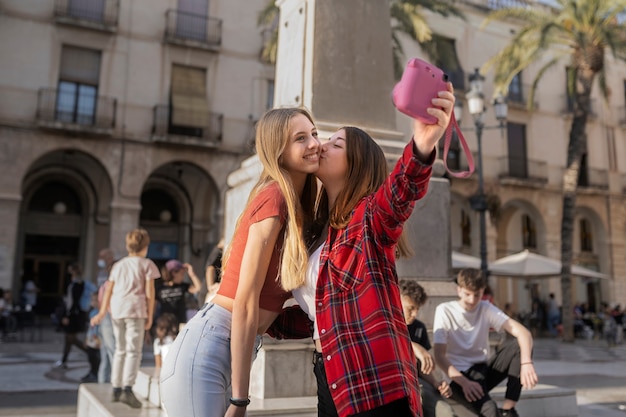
<point>414,291</point>
<point>471,279</point>
<point>137,240</point>
<point>367,171</point>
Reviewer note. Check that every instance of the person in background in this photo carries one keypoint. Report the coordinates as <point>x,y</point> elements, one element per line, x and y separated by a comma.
<point>461,337</point>
<point>213,270</point>
<point>166,331</point>
<point>433,391</point>
<point>92,343</point>
<point>106,260</point>
<point>29,295</point>
<point>74,319</point>
<point>172,292</point>
<point>554,315</point>
<point>130,295</point>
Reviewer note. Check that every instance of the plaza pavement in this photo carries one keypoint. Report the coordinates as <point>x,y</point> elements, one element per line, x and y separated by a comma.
<point>30,387</point>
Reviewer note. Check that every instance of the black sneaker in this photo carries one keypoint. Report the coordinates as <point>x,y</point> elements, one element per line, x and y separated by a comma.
<point>508,413</point>
<point>89,378</point>
<point>128,398</point>
<point>117,393</point>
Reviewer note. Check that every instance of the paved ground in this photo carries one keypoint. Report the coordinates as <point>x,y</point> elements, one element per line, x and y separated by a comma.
<point>30,387</point>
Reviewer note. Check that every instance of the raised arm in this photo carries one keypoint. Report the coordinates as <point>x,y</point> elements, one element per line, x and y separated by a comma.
<point>262,238</point>
<point>196,284</point>
<point>426,136</point>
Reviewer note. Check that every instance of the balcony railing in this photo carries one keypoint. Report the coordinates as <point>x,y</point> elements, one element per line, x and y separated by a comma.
<point>210,134</point>
<point>193,29</point>
<point>568,106</point>
<point>519,97</point>
<point>594,178</point>
<point>512,167</point>
<point>94,14</point>
<point>86,113</point>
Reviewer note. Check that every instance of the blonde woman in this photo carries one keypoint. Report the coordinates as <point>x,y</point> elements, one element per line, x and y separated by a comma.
<point>207,371</point>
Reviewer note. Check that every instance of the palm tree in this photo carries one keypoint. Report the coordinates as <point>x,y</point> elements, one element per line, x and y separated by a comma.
<point>580,32</point>
<point>408,17</point>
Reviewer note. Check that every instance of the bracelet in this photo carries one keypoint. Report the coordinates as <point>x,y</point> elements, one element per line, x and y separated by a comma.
<point>239,402</point>
<point>526,363</point>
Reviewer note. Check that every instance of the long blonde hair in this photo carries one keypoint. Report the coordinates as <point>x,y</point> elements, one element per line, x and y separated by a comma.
<point>272,137</point>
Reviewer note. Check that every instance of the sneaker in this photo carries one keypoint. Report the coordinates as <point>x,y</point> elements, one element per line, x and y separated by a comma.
<point>59,365</point>
<point>128,398</point>
<point>89,378</point>
<point>117,393</point>
<point>508,413</point>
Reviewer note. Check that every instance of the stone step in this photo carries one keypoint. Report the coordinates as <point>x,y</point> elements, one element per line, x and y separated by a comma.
<point>541,401</point>
<point>94,400</point>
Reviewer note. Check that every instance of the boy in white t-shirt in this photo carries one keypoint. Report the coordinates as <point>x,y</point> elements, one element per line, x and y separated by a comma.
<point>461,339</point>
<point>130,294</point>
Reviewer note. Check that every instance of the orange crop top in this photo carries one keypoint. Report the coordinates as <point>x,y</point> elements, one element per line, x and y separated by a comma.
<point>268,203</point>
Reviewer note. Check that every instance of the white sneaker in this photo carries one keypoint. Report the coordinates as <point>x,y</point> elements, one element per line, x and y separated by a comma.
<point>59,365</point>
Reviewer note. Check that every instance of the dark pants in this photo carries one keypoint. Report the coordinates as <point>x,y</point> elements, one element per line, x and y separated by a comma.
<point>326,406</point>
<point>94,360</point>
<point>504,363</point>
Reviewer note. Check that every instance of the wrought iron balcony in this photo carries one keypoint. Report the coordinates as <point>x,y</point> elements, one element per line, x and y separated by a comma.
<point>92,14</point>
<point>523,169</point>
<point>209,134</point>
<point>194,30</point>
<point>76,111</point>
<point>518,98</point>
<point>593,178</point>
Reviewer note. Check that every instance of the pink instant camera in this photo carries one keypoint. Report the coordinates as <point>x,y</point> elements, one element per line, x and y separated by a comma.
<point>420,83</point>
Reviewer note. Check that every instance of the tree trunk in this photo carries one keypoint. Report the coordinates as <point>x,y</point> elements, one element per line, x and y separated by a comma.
<point>575,151</point>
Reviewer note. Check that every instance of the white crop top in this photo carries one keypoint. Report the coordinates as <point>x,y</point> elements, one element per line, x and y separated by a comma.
<point>305,295</point>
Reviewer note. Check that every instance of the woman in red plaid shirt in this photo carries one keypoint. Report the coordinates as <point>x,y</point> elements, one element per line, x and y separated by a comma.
<point>364,363</point>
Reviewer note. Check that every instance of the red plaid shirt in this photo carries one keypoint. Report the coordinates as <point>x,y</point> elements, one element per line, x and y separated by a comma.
<point>365,343</point>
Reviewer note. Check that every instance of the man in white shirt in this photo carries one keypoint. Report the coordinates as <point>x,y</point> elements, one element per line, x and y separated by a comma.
<point>461,339</point>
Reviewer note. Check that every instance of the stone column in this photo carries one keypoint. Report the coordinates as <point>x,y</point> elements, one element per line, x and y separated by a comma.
<point>10,215</point>
<point>335,59</point>
<point>124,218</point>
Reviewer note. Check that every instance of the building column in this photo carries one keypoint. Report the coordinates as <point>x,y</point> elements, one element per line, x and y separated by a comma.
<point>124,218</point>
<point>10,215</point>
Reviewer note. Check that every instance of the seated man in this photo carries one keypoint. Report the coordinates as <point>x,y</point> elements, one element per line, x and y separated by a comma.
<point>461,338</point>
<point>413,297</point>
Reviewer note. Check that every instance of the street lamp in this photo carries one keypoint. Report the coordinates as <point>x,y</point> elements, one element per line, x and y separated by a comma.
<point>476,107</point>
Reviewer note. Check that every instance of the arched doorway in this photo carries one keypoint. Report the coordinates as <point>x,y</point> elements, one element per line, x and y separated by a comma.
<point>64,217</point>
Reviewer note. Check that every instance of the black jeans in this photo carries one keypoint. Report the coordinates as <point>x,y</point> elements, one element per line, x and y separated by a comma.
<point>326,406</point>
<point>504,363</point>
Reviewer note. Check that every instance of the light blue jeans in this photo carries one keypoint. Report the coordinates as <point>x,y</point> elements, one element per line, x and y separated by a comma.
<point>107,349</point>
<point>196,373</point>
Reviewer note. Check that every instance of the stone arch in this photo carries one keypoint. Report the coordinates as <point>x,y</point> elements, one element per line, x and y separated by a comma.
<point>509,236</point>
<point>64,216</point>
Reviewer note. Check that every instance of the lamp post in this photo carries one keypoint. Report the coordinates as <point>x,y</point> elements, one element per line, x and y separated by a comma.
<point>476,107</point>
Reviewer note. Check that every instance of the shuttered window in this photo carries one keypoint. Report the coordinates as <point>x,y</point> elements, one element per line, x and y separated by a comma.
<point>189,97</point>
<point>77,92</point>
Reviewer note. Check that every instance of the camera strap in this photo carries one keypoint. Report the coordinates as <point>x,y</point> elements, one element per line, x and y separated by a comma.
<point>452,126</point>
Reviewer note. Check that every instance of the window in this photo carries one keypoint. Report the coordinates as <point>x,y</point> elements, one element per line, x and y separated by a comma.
<point>191,20</point>
<point>586,236</point>
<point>515,89</point>
<point>78,85</point>
<point>87,9</point>
<point>446,58</point>
<point>516,140</point>
<point>529,232</point>
<point>466,229</point>
<point>189,109</point>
